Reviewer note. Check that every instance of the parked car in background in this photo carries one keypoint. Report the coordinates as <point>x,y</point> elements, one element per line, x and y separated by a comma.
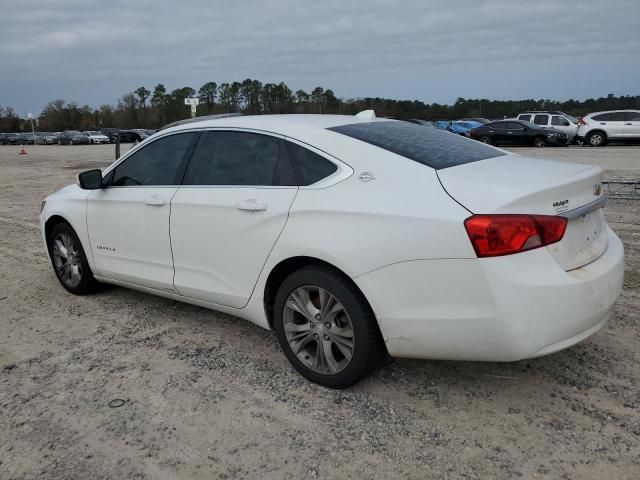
<point>4,139</point>
<point>126,136</point>
<point>96,137</point>
<point>11,139</point>
<point>26,138</point>
<point>484,121</point>
<point>47,138</point>
<point>463,127</point>
<point>518,132</point>
<point>441,124</point>
<point>553,119</point>
<point>72,137</point>
<point>472,253</point>
<point>597,128</point>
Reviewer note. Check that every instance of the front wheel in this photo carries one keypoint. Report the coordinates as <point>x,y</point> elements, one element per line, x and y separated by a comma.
<point>539,142</point>
<point>596,139</point>
<point>69,260</point>
<point>326,327</point>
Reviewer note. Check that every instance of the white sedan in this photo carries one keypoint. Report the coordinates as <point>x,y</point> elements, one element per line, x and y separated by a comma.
<point>96,137</point>
<point>351,237</point>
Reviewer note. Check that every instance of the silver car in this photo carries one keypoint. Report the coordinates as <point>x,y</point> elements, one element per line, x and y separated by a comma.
<point>597,128</point>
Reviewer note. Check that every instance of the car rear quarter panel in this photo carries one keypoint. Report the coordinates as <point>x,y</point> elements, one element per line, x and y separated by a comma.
<point>403,214</point>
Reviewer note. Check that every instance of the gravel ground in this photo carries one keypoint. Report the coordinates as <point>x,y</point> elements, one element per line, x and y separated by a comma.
<point>207,395</point>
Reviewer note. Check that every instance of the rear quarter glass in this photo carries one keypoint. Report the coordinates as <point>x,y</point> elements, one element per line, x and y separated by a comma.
<point>432,147</point>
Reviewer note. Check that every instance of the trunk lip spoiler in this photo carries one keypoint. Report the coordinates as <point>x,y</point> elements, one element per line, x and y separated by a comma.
<point>585,209</point>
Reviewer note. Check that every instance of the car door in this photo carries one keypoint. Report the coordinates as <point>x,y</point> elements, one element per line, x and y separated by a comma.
<point>128,220</point>
<point>613,124</point>
<point>518,133</point>
<point>559,122</point>
<point>509,133</point>
<point>632,124</point>
<point>499,130</point>
<point>227,216</point>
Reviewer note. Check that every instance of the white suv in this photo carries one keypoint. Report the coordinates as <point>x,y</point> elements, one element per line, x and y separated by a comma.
<point>553,119</point>
<point>597,128</point>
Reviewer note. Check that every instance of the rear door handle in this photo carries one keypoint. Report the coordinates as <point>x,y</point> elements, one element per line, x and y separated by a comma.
<point>155,200</point>
<point>628,123</point>
<point>252,205</point>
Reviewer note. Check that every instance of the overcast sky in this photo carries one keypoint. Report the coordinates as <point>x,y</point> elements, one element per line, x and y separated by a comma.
<point>93,52</point>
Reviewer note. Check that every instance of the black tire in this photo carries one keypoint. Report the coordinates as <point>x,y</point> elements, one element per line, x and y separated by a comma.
<point>368,349</point>
<point>539,142</point>
<point>485,139</point>
<point>596,139</point>
<point>87,283</point>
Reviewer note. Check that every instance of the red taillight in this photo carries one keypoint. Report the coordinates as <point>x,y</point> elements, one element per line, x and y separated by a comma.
<point>473,132</point>
<point>581,121</point>
<point>495,235</point>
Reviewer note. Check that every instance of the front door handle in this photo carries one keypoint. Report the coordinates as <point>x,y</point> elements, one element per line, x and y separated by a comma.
<point>155,200</point>
<point>628,123</point>
<point>252,205</point>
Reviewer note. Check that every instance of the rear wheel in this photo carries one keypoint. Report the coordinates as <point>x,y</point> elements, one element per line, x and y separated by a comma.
<point>326,327</point>
<point>69,260</point>
<point>485,139</point>
<point>596,139</point>
<point>539,142</point>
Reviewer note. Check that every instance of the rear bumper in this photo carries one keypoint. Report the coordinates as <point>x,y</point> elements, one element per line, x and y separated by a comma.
<point>494,309</point>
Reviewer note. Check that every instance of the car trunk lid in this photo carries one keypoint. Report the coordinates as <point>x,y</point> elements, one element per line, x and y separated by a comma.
<point>516,184</point>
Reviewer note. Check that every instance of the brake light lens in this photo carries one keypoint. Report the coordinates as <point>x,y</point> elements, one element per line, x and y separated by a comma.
<point>581,121</point>
<point>500,234</point>
<point>473,132</point>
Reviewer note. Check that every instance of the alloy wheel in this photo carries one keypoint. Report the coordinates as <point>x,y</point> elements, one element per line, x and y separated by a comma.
<point>318,329</point>
<point>67,259</point>
<point>595,139</point>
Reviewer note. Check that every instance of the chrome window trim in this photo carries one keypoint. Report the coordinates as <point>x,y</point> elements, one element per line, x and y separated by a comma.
<point>342,172</point>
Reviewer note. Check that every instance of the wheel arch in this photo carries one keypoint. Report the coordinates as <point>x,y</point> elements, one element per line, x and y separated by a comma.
<point>284,268</point>
<point>596,130</point>
<point>50,224</point>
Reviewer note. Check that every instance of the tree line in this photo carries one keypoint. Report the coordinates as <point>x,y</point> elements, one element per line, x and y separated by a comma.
<point>144,108</point>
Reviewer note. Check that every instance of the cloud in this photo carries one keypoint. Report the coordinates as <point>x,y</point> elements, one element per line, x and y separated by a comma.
<point>100,50</point>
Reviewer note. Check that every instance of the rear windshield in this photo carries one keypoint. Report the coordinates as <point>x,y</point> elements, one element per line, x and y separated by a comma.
<point>432,147</point>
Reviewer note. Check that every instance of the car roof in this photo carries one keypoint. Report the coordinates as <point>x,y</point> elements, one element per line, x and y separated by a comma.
<point>612,111</point>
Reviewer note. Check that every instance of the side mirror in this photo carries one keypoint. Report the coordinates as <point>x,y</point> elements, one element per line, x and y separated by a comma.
<point>91,179</point>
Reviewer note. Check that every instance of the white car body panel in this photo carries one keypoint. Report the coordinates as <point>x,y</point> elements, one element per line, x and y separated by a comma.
<point>382,219</point>
<point>237,251</point>
<point>128,228</point>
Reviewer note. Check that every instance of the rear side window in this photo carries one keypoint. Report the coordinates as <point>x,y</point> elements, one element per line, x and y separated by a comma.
<point>432,147</point>
<point>632,116</point>
<point>610,117</point>
<point>499,125</point>
<point>312,167</point>
<point>158,163</point>
<point>541,119</point>
<point>240,158</point>
<point>525,117</point>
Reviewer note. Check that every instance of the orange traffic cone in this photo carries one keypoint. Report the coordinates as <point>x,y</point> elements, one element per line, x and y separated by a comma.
<point>22,150</point>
